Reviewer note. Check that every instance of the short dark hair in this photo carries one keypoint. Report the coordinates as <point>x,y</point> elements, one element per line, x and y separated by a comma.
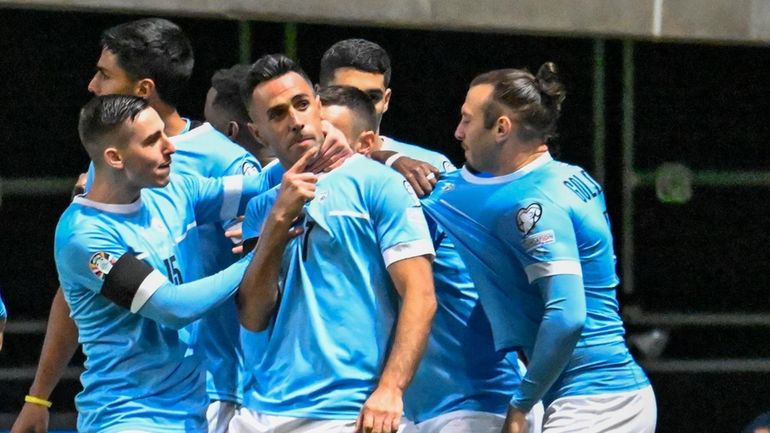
<point>266,68</point>
<point>762,421</point>
<point>227,82</point>
<point>102,118</point>
<point>536,100</point>
<point>153,48</point>
<point>355,100</point>
<point>357,54</point>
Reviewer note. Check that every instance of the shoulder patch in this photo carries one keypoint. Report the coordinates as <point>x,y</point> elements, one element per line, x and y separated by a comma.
<point>249,169</point>
<point>527,218</point>
<point>101,264</point>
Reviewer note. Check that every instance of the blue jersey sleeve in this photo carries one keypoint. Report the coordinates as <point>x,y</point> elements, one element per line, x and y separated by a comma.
<point>86,258</point>
<point>223,199</point>
<point>177,306</point>
<point>400,225</point>
<point>543,237</point>
<point>563,319</point>
<point>3,311</point>
<point>257,211</point>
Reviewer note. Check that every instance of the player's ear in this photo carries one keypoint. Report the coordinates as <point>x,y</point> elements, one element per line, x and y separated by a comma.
<point>386,99</point>
<point>367,142</point>
<point>233,128</point>
<point>503,128</point>
<point>113,158</point>
<point>253,131</point>
<point>145,88</point>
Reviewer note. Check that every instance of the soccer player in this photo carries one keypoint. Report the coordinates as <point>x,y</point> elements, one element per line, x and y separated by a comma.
<point>124,256</point>
<point>366,66</point>
<point>152,58</point>
<point>462,385</point>
<point>340,350</point>
<point>535,236</point>
<point>225,111</point>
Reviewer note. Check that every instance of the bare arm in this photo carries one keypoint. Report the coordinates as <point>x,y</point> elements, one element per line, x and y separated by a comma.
<point>413,279</point>
<point>258,293</point>
<point>61,341</point>
<point>420,174</point>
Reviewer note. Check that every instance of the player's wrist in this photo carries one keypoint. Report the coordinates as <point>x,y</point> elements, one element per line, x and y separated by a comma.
<point>37,401</point>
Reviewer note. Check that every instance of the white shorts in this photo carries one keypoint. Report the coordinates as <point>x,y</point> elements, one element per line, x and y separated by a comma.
<point>471,421</point>
<point>622,412</point>
<point>248,421</point>
<point>218,415</point>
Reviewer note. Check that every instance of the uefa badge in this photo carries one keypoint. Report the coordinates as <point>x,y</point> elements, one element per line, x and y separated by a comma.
<point>249,169</point>
<point>527,217</point>
<point>101,263</point>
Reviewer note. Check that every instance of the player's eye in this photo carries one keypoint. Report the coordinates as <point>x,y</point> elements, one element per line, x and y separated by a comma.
<point>375,96</point>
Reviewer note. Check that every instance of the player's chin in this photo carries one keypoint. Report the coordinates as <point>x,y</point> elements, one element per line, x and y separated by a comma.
<point>163,178</point>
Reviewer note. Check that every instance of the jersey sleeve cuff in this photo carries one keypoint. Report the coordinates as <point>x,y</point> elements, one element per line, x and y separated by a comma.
<point>407,250</point>
<point>233,187</point>
<point>548,269</point>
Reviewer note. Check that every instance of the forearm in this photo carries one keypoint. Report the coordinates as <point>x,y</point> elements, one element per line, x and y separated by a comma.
<point>258,294</point>
<point>414,321</point>
<point>59,345</point>
<point>556,338</point>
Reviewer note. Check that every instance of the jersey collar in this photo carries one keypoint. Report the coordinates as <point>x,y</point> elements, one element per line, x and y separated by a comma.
<point>540,161</point>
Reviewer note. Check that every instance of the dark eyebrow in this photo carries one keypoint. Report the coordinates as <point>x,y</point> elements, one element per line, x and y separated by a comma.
<point>152,138</point>
<point>276,110</point>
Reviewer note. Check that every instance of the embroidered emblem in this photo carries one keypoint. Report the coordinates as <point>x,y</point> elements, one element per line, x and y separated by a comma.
<point>527,218</point>
<point>101,264</point>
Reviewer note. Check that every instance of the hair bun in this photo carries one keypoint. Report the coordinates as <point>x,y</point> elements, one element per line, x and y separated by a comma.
<point>551,88</point>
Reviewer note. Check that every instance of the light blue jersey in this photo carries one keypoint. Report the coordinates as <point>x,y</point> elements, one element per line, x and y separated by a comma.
<point>461,370</point>
<point>204,151</point>
<point>139,374</point>
<point>547,219</point>
<point>331,333</point>
<point>3,311</point>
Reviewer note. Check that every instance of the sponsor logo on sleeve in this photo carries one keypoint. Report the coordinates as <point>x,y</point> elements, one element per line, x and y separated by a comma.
<point>101,263</point>
<point>249,169</point>
<point>527,218</point>
<point>538,240</point>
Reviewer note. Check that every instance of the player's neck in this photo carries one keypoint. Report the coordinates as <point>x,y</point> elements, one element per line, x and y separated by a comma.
<point>175,124</point>
<point>111,191</point>
<point>518,157</point>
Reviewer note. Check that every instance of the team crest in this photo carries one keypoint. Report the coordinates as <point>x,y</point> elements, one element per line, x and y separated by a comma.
<point>101,263</point>
<point>447,187</point>
<point>527,218</point>
<point>249,169</point>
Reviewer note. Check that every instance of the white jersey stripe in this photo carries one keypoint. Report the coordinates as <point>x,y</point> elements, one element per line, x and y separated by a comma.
<point>547,269</point>
<point>149,286</point>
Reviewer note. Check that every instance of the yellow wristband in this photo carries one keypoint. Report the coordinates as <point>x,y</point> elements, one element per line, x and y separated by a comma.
<point>38,401</point>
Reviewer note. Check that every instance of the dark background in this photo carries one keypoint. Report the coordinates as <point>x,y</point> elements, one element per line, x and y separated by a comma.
<point>702,105</point>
